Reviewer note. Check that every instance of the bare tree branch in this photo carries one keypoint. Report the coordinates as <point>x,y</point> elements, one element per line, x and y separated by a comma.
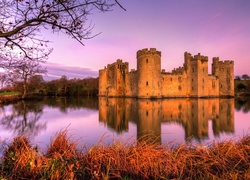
<point>21,23</point>
<point>120,5</point>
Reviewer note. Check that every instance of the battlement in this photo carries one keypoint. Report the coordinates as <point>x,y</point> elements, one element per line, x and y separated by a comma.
<point>188,55</point>
<point>178,70</point>
<point>200,57</point>
<point>102,70</point>
<point>163,71</point>
<point>195,57</point>
<point>118,62</point>
<point>146,51</point>
<point>133,71</point>
<point>227,62</point>
<point>216,59</point>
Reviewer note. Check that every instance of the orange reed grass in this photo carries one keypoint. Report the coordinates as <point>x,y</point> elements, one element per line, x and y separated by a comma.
<point>140,160</point>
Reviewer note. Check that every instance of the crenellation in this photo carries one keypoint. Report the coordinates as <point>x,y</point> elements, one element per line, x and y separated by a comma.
<point>216,59</point>
<point>178,70</point>
<point>205,58</point>
<point>151,81</point>
<point>102,70</point>
<point>133,71</point>
<point>227,62</point>
<point>188,55</point>
<point>146,51</point>
<point>200,57</point>
<point>197,57</point>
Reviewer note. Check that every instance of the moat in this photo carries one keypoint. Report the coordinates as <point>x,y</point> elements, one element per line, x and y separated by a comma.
<point>90,119</point>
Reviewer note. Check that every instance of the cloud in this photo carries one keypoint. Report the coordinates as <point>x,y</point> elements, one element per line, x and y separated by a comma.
<point>55,71</point>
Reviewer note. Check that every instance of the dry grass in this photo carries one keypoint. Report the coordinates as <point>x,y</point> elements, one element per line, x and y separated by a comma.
<point>141,160</point>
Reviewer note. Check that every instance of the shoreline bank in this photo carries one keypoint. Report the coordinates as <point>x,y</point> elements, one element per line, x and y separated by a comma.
<point>140,160</point>
<point>7,99</point>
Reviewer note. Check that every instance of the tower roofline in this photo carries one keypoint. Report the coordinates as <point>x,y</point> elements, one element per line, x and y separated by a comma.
<point>226,62</point>
<point>146,51</point>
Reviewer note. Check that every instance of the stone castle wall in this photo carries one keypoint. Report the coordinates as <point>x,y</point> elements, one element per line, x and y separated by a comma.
<point>131,84</point>
<point>150,81</point>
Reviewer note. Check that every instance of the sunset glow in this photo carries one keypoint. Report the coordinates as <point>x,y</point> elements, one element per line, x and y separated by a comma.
<point>213,28</point>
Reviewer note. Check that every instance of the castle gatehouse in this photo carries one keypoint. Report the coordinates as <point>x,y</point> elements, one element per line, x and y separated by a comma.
<point>150,81</point>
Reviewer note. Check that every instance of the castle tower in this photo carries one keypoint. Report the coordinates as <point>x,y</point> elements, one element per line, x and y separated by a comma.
<point>149,73</point>
<point>112,79</point>
<point>224,70</point>
<point>187,68</point>
<point>103,82</point>
<point>199,74</point>
<point>215,66</point>
<point>121,69</point>
<point>187,59</point>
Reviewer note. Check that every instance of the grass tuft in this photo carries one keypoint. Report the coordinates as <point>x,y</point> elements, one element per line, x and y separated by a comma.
<point>141,160</point>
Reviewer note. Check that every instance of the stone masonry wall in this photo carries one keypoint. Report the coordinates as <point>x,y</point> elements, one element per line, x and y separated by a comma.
<point>149,81</point>
<point>149,73</point>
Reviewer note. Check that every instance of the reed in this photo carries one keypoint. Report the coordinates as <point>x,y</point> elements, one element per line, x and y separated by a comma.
<point>141,160</point>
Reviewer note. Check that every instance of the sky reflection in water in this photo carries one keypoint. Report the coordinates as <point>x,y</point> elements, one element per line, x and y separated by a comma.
<point>89,120</point>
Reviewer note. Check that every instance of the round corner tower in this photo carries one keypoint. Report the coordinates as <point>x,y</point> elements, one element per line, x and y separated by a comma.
<point>149,73</point>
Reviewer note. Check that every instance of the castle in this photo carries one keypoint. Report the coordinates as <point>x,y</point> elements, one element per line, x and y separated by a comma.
<point>150,81</point>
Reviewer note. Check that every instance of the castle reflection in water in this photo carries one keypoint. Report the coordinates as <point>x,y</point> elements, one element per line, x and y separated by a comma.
<point>192,114</point>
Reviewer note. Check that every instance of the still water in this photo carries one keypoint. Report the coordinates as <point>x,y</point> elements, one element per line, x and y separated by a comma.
<point>90,120</point>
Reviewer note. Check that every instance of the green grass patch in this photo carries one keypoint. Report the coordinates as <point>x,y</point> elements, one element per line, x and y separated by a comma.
<point>9,93</point>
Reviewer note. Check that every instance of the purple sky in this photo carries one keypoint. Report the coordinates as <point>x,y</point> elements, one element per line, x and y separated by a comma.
<point>212,27</point>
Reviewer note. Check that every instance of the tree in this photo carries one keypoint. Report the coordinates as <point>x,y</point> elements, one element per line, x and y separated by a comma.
<point>245,77</point>
<point>25,68</point>
<point>51,88</point>
<point>13,76</point>
<point>35,83</point>
<point>3,79</point>
<point>22,23</point>
<point>237,78</point>
<point>63,84</point>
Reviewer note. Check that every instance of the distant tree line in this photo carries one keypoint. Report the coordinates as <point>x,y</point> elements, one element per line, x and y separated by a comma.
<point>72,87</point>
<point>243,77</point>
<point>63,86</point>
<point>242,83</point>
